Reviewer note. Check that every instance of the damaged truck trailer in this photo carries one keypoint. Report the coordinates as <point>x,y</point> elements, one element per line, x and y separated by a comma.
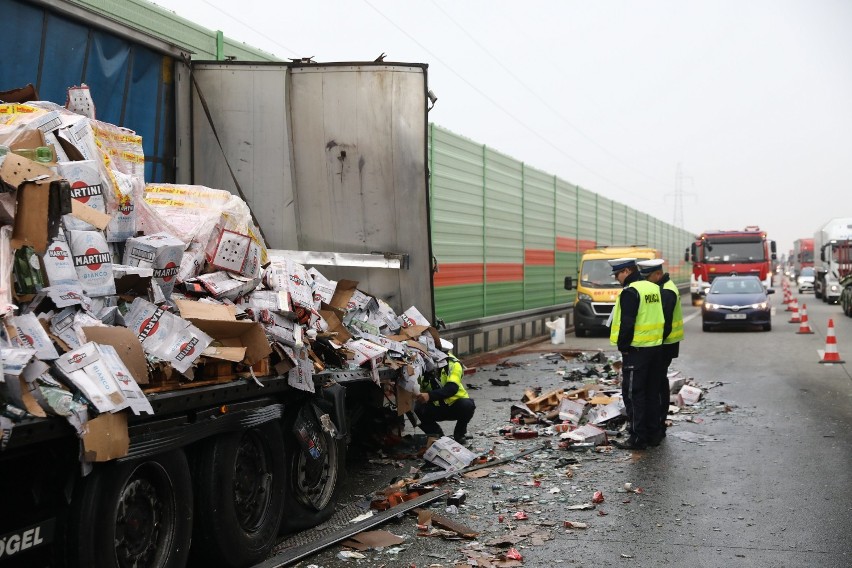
<point>329,157</point>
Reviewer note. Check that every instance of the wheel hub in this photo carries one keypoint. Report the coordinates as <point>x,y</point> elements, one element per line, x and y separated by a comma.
<point>137,524</point>
<point>252,482</point>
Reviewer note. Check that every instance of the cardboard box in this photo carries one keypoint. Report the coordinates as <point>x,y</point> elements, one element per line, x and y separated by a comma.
<point>85,369</point>
<point>601,414</point>
<point>238,341</point>
<point>323,288</point>
<point>40,202</point>
<point>27,332</point>
<point>675,383</point>
<point>85,188</point>
<point>347,296</point>
<point>126,345</point>
<point>92,261</point>
<point>412,317</point>
<point>366,351</point>
<point>588,434</point>
<point>572,410</point>
<point>689,395</point>
<point>161,252</point>
<point>14,386</point>
<point>223,285</point>
<point>231,251</point>
<point>105,438</point>
<point>449,454</point>
<point>166,335</point>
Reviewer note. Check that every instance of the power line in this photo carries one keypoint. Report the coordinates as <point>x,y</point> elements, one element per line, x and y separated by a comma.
<point>250,28</point>
<point>499,106</point>
<point>555,111</point>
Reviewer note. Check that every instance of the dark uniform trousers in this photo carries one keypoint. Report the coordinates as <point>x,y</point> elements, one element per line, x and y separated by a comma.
<point>640,392</point>
<point>660,378</point>
<point>430,414</point>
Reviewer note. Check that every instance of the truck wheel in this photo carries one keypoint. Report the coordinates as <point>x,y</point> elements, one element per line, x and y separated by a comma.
<point>136,513</point>
<point>240,486</point>
<point>317,470</point>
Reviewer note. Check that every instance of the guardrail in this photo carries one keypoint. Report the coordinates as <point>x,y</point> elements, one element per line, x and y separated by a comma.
<point>481,335</point>
<point>495,332</point>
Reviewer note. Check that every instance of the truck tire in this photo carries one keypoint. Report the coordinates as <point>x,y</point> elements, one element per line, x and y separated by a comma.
<point>240,483</point>
<point>314,481</point>
<point>135,513</point>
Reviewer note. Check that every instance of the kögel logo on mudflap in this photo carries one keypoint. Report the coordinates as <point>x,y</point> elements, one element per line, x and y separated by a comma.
<point>26,538</point>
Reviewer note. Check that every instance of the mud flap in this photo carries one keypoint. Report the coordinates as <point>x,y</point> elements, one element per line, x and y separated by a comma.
<point>306,428</point>
<point>335,396</point>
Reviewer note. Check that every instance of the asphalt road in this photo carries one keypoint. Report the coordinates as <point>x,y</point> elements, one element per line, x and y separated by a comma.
<point>763,481</point>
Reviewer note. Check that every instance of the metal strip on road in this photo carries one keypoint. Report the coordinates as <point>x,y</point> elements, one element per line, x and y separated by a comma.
<point>432,477</point>
<point>291,555</point>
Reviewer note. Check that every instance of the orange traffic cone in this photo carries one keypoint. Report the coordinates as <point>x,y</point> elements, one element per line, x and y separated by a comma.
<point>788,299</point>
<point>795,317</point>
<point>805,328</point>
<point>831,355</point>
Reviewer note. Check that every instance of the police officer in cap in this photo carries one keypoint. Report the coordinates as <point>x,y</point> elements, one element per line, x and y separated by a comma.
<point>652,271</point>
<point>443,397</point>
<point>637,330</point>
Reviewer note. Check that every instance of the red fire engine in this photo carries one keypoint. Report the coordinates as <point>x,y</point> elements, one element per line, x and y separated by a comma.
<point>725,253</point>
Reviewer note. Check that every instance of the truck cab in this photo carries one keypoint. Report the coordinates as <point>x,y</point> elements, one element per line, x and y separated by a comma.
<point>597,288</point>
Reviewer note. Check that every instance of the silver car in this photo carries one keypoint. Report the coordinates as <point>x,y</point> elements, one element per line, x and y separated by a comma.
<point>805,281</point>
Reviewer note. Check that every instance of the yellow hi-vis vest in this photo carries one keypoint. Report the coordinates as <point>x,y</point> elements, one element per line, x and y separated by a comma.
<point>676,333</point>
<point>648,331</point>
<point>452,373</point>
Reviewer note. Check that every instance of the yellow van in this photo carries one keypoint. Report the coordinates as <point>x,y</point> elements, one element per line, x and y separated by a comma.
<point>597,288</point>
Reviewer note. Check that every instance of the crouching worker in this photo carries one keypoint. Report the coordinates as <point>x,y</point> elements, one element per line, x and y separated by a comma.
<point>443,397</point>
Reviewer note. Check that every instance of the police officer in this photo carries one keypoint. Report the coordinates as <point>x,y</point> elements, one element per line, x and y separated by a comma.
<point>637,330</point>
<point>652,270</point>
<point>443,397</point>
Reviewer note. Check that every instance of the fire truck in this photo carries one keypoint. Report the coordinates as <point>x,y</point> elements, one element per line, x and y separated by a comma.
<point>803,255</point>
<point>725,253</point>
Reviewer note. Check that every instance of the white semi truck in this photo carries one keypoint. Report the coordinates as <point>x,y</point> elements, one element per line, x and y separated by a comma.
<point>832,258</point>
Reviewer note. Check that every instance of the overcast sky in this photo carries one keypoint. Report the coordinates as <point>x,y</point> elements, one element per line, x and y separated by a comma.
<point>752,98</point>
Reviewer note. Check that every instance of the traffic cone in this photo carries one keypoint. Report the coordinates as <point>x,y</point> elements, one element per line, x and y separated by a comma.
<point>795,317</point>
<point>831,355</point>
<point>789,301</point>
<point>805,328</point>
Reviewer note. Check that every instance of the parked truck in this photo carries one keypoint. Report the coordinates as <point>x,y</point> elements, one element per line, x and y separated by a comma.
<point>802,256</point>
<point>331,159</point>
<point>734,252</point>
<point>833,251</point>
<point>597,288</point>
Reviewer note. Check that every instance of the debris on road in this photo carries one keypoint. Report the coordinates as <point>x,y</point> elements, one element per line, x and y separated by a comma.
<point>515,497</point>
